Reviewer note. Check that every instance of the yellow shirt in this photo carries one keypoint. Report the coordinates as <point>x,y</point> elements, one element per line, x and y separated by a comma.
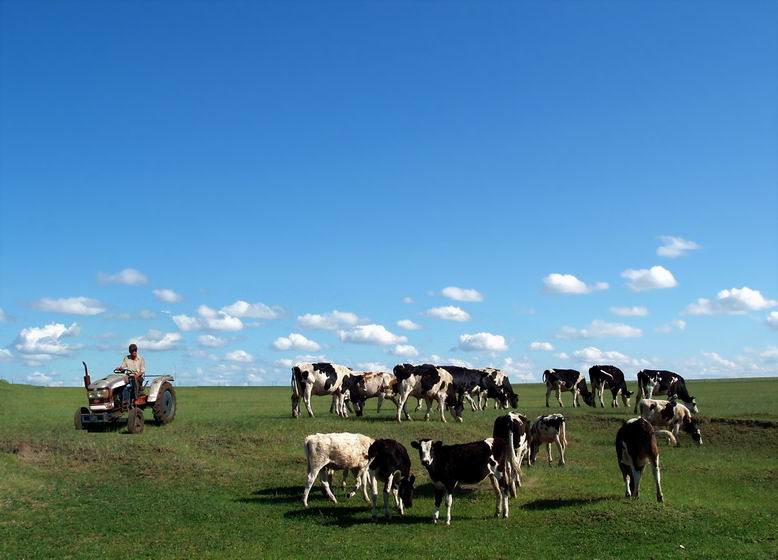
<point>138,365</point>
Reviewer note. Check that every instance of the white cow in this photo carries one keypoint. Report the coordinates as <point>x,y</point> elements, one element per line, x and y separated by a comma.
<point>346,452</point>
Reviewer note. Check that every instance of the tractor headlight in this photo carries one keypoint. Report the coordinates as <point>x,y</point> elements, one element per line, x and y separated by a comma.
<point>103,393</point>
<point>93,395</point>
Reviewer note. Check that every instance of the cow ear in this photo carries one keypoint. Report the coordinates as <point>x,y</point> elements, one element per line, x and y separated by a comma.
<point>415,444</point>
<point>437,444</point>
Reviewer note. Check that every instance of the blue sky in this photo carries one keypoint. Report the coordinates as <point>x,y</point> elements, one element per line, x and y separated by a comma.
<point>160,163</point>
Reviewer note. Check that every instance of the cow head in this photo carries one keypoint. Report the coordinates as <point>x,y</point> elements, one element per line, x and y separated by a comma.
<point>426,449</point>
<point>406,490</point>
<point>534,447</point>
<point>693,406</point>
<point>589,399</point>
<point>692,428</point>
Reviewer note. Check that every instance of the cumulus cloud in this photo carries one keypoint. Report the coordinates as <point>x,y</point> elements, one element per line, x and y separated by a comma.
<point>547,346</point>
<point>600,329</point>
<point>408,325</point>
<point>408,300</point>
<point>735,301</point>
<point>239,356</point>
<point>244,309</point>
<point>128,276</point>
<point>649,278</point>
<point>71,306</point>
<point>675,246</point>
<point>296,341</point>
<point>211,341</point>
<point>372,366</point>
<point>638,311</point>
<point>518,370</point>
<point>209,319</point>
<point>482,341</point>
<point>677,324</point>
<point>157,341</point>
<point>46,341</point>
<point>168,295</point>
<point>5,354</point>
<point>371,334</point>
<point>331,321</point>
<point>448,313</point>
<point>720,361</point>
<point>405,350</point>
<point>593,355</point>
<point>772,319</point>
<point>147,314</point>
<point>569,284</point>
<point>462,294</point>
<point>40,378</point>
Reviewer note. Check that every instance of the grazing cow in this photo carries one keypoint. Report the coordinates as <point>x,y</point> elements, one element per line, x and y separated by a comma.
<point>358,387</point>
<point>547,430</point>
<point>613,378</point>
<point>673,415</point>
<point>662,382</point>
<point>325,453</point>
<point>503,384</point>
<point>317,379</point>
<point>515,425</point>
<point>388,461</point>
<point>426,381</point>
<point>480,383</point>
<point>635,448</point>
<point>467,463</point>
<point>567,380</point>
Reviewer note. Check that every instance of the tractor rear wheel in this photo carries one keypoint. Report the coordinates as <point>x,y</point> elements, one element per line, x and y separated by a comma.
<point>77,418</point>
<point>135,421</point>
<point>165,406</point>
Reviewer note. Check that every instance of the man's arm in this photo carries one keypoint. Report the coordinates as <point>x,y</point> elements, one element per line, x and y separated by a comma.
<point>142,365</point>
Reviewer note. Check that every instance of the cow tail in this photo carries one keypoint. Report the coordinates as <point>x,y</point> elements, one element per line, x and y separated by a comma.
<point>307,446</point>
<point>562,435</point>
<point>296,381</point>
<point>511,454</point>
<point>669,435</point>
<point>544,376</point>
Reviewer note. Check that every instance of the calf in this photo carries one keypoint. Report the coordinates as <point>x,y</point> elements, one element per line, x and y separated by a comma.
<point>547,430</point>
<point>662,382</point>
<point>673,415</point>
<point>467,463</point>
<point>613,378</point>
<point>388,461</point>
<point>635,448</point>
<point>426,381</point>
<point>318,379</point>
<point>340,451</point>
<point>567,380</point>
<point>359,387</point>
<point>513,426</point>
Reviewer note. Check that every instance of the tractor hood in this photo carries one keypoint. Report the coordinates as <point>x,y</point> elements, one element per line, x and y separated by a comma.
<point>110,382</point>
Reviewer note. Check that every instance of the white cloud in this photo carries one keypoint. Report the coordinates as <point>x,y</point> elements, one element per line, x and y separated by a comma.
<point>439,360</point>
<point>462,294</point>
<point>147,314</point>
<point>482,341</point>
<point>39,378</point>
<point>521,371</point>
<point>677,324</point>
<point>223,323</point>
<point>168,295</point>
<point>71,306</point>
<point>211,341</point>
<point>770,354</point>
<point>772,319</point>
<point>371,334</point>
<point>547,346</point>
<point>186,323</point>
<point>157,341</point>
<point>44,342</point>
<point>331,321</point>
<point>638,311</point>
<point>721,362</point>
<point>252,310</point>
<point>600,329</point>
<point>593,355</point>
<point>569,284</point>
<point>5,354</point>
<point>296,341</point>
<point>408,325</point>
<point>448,313</point>
<point>735,301</point>
<point>372,366</point>
<point>649,278</point>
<point>3,316</point>
<point>128,276</point>
<point>408,300</point>
<point>675,246</point>
<point>405,350</point>
<point>210,319</point>
<point>239,356</point>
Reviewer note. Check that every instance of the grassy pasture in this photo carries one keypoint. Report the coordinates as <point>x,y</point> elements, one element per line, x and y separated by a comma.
<point>225,480</point>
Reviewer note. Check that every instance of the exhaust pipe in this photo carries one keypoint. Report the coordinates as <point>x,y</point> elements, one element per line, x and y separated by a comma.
<point>87,379</point>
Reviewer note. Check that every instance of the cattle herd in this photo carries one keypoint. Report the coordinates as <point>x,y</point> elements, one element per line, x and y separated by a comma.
<point>499,458</point>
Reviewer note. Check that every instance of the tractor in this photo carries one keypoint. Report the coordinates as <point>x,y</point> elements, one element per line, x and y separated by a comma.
<point>118,394</point>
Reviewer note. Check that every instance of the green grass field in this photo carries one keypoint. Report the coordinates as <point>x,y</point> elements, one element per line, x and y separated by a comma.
<point>225,480</point>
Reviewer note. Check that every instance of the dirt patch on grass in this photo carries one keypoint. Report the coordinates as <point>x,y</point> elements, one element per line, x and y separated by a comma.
<point>745,422</point>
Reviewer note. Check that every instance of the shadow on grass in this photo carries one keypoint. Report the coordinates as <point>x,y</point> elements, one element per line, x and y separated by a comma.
<point>564,503</point>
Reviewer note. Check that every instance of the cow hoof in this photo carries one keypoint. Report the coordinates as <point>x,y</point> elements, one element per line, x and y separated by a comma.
<point>350,494</point>
<point>448,523</point>
<point>460,420</point>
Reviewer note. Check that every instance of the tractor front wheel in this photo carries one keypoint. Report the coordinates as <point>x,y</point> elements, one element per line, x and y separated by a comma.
<point>77,418</point>
<point>135,421</point>
<point>165,406</point>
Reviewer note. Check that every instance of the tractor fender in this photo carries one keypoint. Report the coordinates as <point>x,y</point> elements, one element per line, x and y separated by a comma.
<point>155,385</point>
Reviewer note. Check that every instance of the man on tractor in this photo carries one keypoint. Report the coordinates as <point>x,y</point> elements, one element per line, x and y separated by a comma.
<point>136,366</point>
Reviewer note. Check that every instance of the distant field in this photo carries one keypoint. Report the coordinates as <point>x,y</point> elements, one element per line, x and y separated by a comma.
<point>225,480</point>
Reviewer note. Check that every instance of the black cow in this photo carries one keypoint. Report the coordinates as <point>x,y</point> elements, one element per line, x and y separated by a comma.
<point>662,382</point>
<point>466,463</point>
<point>514,426</point>
<point>388,461</point>
<point>471,382</point>
<point>613,378</point>
<point>567,380</point>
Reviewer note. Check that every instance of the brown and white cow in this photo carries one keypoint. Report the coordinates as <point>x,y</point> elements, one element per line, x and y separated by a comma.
<point>546,430</point>
<point>318,379</point>
<point>673,415</point>
<point>425,381</point>
<point>344,451</point>
<point>635,448</point>
<point>358,387</point>
<point>572,380</point>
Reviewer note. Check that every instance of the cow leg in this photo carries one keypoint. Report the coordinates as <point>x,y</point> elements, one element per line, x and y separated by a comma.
<point>548,392</point>
<point>325,482</point>
<point>295,406</point>
<point>625,400</point>
<point>625,470</point>
<point>655,468</point>
<point>439,492</point>
<point>380,402</point>
<point>442,406</point>
<point>401,409</point>
<point>559,396</point>
<point>307,399</point>
<point>636,474</point>
<point>561,449</point>
<point>387,489</point>
<point>418,405</point>
<point>429,409</point>
<point>312,475</point>
<point>676,432</point>
<point>373,492</point>
<point>602,390</point>
<point>334,404</point>
<point>470,401</point>
<point>497,495</point>
<point>449,499</point>
<point>576,392</point>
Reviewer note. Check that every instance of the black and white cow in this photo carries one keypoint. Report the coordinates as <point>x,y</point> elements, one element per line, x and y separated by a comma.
<point>546,430</point>
<point>612,378</point>
<point>673,415</point>
<point>389,462</point>
<point>425,381</point>
<point>358,387</point>
<point>475,383</point>
<point>467,463</point>
<point>516,427</point>
<point>504,384</point>
<point>567,380</point>
<point>635,448</point>
<point>662,382</point>
<point>318,379</point>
